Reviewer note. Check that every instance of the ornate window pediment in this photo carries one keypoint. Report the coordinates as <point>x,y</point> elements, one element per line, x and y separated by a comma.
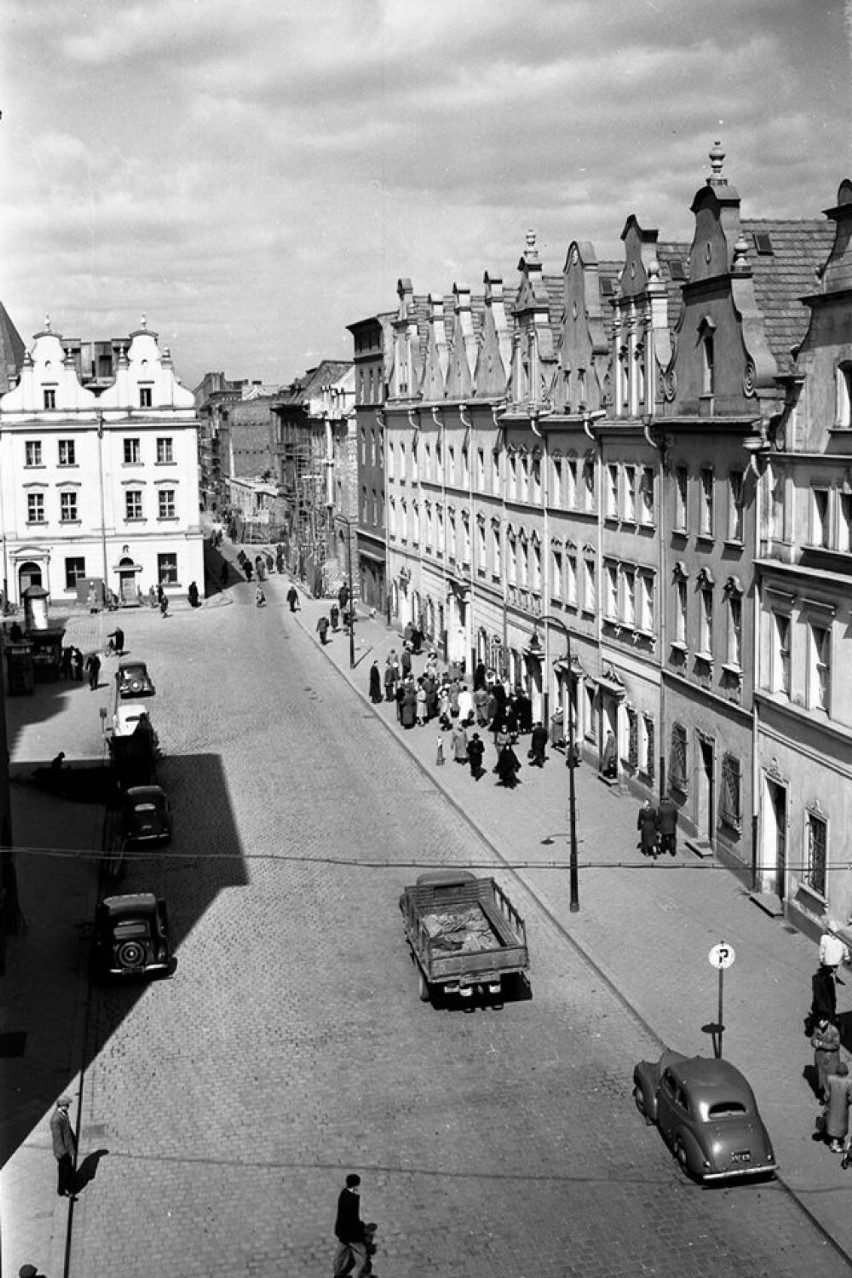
<point>680,572</point>
<point>733,588</point>
<point>705,577</point>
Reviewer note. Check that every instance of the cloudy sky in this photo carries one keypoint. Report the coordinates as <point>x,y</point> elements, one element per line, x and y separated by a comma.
<point>253,175</point>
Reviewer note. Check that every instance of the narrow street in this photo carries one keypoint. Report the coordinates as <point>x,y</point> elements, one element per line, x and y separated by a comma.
<point>291,1047</point>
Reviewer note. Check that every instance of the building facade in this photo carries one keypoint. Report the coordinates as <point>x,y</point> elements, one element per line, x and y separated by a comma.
<point>99,486</point>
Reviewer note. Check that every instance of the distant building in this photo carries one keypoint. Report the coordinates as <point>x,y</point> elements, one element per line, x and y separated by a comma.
<point>99,485</point>
<point>372,346</point>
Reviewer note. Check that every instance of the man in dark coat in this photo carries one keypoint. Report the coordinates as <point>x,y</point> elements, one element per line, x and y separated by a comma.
<point>668,825</point>
<point>647,823</point>
<point>475,751</point>
<point>64,1146</point>
<point>609,756</point>
<point>352,1257</point>
<point>93,665</point>
<point>538,745</point>
<point>322,629</point>
<point>375,682</point>
<point>293,598</point>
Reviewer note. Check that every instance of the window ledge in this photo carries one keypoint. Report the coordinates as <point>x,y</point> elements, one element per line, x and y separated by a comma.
<point>68,465</point>
<point>70,523</point>
<point>731,668</point>
<point>165,463</point>
<point>36,523</point>
<point>734,543</point>
<point>706,657</point>
<point>679,647</point>
<point>705,536</point>
<point>168,519</point>
<point>135,519</point>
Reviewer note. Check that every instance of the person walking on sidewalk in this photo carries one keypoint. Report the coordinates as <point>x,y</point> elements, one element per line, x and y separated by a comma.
<point>293,599</point>
<point>93,666</point>
<point>352,1256</point>
<point>538,745</point>
<point>322,629</point>
<point>836,1113</point>
<point>826,1045</point>
<point>832,951</point>
<point>64,1146</point>
<point>375,683</point>
<point>667,813</point>
<point>458,740</point>
<point>648,825</point>
<point>421,702</point>
<point>259,597</point>
<point>117,638</point>
<point>334,613</point>
<point>164,604</point>
<point>475,751</point>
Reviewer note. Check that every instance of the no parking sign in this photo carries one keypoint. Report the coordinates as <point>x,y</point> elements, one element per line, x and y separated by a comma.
<point>722,956</point>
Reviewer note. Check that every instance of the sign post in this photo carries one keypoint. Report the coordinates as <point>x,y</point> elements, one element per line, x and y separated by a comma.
<point>721,956</point>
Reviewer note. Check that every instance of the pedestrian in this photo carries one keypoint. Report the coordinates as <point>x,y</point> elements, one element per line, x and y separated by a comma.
<point>475,751</point>
<point>824,1000</point>
<point>343,596</point>
<point>609,756</point>
<point>826,1045</point>
<point>322,629</point>
<point>160,592</point>
<point>430,684</point>
<point>836,1112</point>
<point>465,702</point>
<point>93,666</point>
<point>408,710</point>
<point>648,825</point>
<point>444,705</point>
<point>667,812</point>
<point>92,599</point>
<point>391,675</point>
<point>538,745</point>
<point>507,768</point>
<point>334,613</point>
<point>223,575</point>
<point>454,692</point>
<point>352,1258</point>
<point>64,1146</point>
<point>458,741</point>
<point>164,604</point>
<point>405,661</point>
<point>523,710</point>
<point>78,665</point>
<point>293,599</point>
<point>375,683</point>
<point>832,951</point>
<point>192,595</point>
<point>259,597</point>
<point>421,702</point>
<point>439,758</point>
<point>117,638</point>
<point>481,698</point>
<point>247,569</point>
<point>67,659</point>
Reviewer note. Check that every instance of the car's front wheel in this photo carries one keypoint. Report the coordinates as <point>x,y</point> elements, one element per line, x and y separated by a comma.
<point>639,1101</point>
<point>681,1156</point>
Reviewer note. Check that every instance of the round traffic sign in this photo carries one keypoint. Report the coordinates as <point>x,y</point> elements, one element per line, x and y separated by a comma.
<point>722,955</point>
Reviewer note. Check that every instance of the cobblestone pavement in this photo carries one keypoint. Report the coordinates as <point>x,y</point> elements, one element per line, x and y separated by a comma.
<point>291,1046</point>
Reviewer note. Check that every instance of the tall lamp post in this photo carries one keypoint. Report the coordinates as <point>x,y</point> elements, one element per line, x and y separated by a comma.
<point>348,523</point>
<point>574,874</point>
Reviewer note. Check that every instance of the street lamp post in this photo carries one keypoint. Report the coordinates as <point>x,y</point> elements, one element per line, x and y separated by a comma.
<point>348,524</point>
<point>574,874</point>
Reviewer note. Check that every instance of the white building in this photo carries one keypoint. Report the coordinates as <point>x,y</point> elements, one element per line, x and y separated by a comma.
<point>99,486</point>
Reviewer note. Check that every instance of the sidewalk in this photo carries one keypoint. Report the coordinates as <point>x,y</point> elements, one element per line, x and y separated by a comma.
<point>647,926</point>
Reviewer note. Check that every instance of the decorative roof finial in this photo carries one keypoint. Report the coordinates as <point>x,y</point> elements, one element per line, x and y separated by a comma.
<point>47,323</point>
<point>741,262</point>
<point>717,159</point>
<point>144,320</point>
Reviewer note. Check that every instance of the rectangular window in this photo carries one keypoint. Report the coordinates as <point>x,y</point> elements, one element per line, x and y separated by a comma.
<point>589,484</point>
<point>167,572</point>
<point>630,494</point>
<point>646,603</point>
<point>730,807</point>
<point>629,579</point>
<point>780,672</point>
<point>49,397</point>
<point>556,574</point>
<point>133,503</point>
<point>611,606</point>
<point>481,552</point>
<point>33,452</point>
<point>495,473</point>
<point>590,600</point>
<point>556,481</point>
<point>75,570</point>
<point>680,611</point>
<point>166,503</point>
<point>67,452</point>
<point>480,469</point>
<point>646,513</point>
<point>612,492</point>
<point>705,621</point>
<point>735,506</point>
<point>68,508</point>
<point>513,561</point>
<point>571,580</point>
<point>164,450</point>
<point>680,514</point>
<point>845,529</point>
<point>820,531</point>
<point>465,457</point>
<point>735,631</point>
<point>513,478</point>
<point>819,692</point>
<point>677,761</point>
<point>571,486</point>
<point>496,557</point>
<point>35,508</point>
<point>705,527</point>
<point>144,396</point>
<point>816,852</point>
<point>132,452</point>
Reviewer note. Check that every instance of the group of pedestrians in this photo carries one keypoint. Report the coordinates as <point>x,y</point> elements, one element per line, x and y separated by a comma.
<point>657,826</point>
<point>832,1083</point>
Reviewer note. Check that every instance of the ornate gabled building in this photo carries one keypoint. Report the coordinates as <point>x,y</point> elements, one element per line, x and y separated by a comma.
<point>99,487</point>
<point>802,702</point>
<point>723,390</point>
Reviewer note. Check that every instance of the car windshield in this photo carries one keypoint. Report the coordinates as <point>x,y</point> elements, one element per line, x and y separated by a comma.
<point>130,930</point>
<point>145,809</point>
<point>724,1109</point>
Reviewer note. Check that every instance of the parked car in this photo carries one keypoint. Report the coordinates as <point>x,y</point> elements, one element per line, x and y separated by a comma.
<point>132,936</point>
<point>145,816</point>
<point>132,680</point>
<point>707,1113</point>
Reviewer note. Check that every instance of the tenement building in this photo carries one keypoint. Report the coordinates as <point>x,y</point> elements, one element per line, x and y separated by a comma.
<point>99,484</point>
<point>626,488</point>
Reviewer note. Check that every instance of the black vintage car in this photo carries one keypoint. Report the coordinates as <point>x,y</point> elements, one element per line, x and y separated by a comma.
<point>132,937</point>
<point>146,816</point>
<point>132,680</point>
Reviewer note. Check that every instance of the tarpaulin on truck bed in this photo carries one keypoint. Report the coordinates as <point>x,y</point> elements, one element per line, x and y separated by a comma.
<point>464,931</point>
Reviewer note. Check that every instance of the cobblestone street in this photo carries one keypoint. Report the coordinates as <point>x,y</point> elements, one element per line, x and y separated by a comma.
<point>291,1047</point>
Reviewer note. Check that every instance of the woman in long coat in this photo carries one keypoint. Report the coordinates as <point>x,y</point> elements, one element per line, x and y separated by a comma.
<point>826,1045</point>
<point>375,682</point>
<point>508,766</point>
<point>409,705</point>
<point>458,740</point>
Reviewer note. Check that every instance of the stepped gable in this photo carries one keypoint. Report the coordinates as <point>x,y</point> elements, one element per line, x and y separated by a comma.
<point>12,351</point>
<point>787,257</point>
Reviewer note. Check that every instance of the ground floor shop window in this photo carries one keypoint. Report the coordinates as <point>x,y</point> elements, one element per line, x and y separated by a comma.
<point>816,839</point>
<point>167,573</point>
<point>75,570</point>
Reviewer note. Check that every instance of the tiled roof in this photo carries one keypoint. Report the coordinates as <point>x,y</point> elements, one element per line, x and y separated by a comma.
<point>611,273</point>
<point>785,275</point>
<point>673,258</point>
<point>12,350</point>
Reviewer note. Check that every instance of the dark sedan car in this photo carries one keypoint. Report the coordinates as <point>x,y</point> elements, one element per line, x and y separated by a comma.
<point>707,1113</point>
<point>146,816</point>
<point>132,937</point>
<point>133,680</point>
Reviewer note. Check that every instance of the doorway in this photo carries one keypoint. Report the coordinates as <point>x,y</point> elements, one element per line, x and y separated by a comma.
<point>775,834</point>
<point>704,800</point>
<point>29,574</point>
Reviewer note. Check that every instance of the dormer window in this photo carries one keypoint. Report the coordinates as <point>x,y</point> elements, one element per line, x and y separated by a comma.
<point>706,337</point>
<point>144,396</point>
<point>49,397</point>
<point>843,395</point>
